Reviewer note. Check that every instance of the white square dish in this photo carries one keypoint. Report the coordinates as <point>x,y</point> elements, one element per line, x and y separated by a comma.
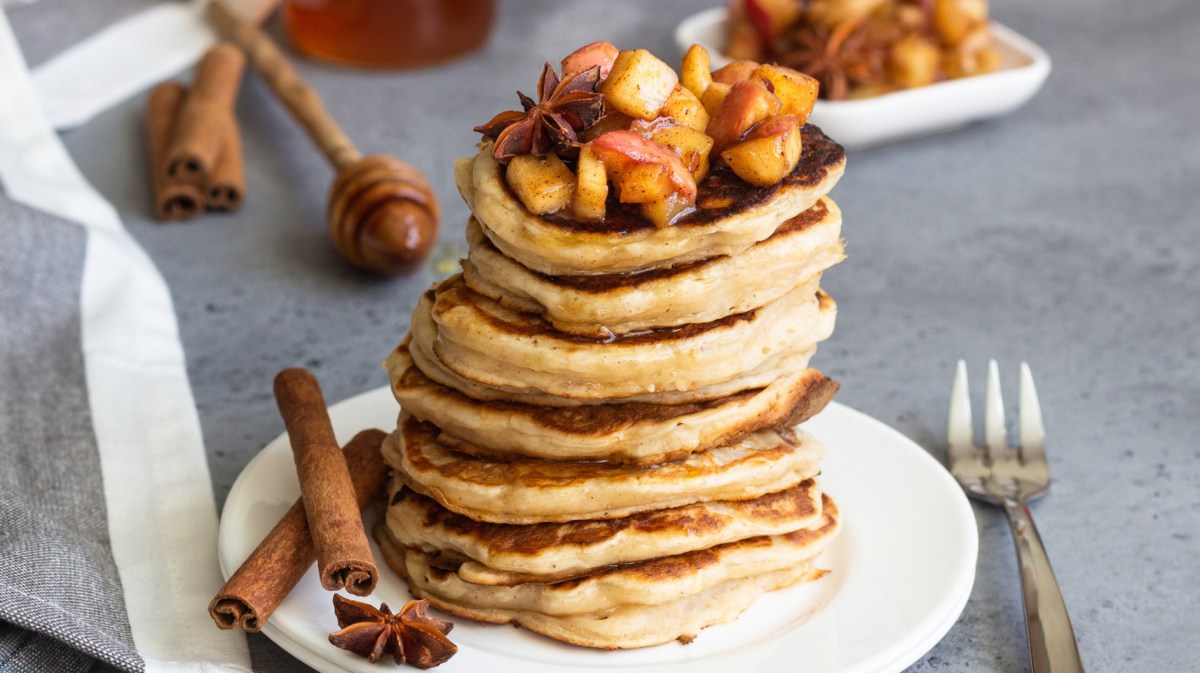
<point>910,113</point>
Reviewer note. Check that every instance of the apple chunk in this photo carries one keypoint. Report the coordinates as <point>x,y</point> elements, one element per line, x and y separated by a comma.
<point>589,56</point>
<point>748,103</point>
<point>713,97</point>
<point>768,152</point>
<point>591,187</point>
<point>734,72</point>
<point>685,108</point>
<point>543,185</point>
<point>696,70</point>
<point>691,145</point>
<point>795,90</point>
<point>639,84</point>
<point>642,169</point>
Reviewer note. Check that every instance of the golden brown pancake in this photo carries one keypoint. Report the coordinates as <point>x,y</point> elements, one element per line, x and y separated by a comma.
<point>633,433</point>
<point>696,292</point>
<point>525,491</point>
<point>480,340</point>
<point>632,605</point>
<point>550,552</point>
<point>731,216</point>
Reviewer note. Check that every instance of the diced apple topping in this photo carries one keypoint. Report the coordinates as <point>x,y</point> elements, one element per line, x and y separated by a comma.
<point>644,171</point>
<point>591,187</point>
<point>696,70</point>
<point>768,152</point>
<point>748,103</point>
<point>795,90</point>
<point>657,137</point>
<point>639,84</point>
<point>713,97</point>
<point>663,213</point>
<point>691,145</point>
<point>685,108</point>
<point>589,56</point>
<point>544,185</point>
<point>735,72</point>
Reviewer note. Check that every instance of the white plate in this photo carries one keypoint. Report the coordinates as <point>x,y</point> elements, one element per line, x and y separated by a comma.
<point>902,570</point>
<point>909,113</point>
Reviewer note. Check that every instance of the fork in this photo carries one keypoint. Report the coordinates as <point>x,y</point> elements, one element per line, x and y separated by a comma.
<point>1010,478</point>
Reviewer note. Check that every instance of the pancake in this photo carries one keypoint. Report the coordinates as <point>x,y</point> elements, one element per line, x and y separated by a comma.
<point>697,292</point>
<point>652,602</point>
<point>420,349</point>
<point>480,340</point>
<point>633,433</point>
<point>649,582</point>
<point>551,552</point>
<point>731,216</point>
<point>523,491</point>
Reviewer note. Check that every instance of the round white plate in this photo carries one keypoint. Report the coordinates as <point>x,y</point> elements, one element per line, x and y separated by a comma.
<point>902,570</point>
<point>910,113</point>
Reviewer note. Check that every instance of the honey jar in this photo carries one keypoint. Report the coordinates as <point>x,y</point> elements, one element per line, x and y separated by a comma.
<point>388,33</point>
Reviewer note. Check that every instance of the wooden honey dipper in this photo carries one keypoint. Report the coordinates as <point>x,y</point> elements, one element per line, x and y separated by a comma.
<point>383,217</point>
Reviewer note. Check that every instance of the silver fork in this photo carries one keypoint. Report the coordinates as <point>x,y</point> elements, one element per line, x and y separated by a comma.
<point>1010,478</point>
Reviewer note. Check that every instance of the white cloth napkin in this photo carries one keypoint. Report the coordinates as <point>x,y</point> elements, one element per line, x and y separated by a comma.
<point>161,511</point>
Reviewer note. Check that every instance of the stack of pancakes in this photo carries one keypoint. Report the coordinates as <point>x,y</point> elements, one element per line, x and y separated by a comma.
<point>598,438</point>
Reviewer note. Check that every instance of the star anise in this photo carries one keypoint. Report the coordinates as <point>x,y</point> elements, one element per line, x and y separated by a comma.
<point>564,110</point>
<point>840,58</point>
<point>410,636</point>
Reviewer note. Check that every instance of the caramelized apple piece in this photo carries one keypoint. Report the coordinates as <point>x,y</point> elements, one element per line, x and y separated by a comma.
<point>795,90</point>
<point>543,185</point>
<point>735,72</point>
<point>591,186</point>
<point>589,56</point>
<point>748,103</point>
<point>768,152</point>
<point>691,145</point>
<point>639,84</point>
<point>713,97</point>
<point>696,70</point>
<point>685,108</point>
<point>663,213</point>
<point>914,61</point>
<point>647,173</point>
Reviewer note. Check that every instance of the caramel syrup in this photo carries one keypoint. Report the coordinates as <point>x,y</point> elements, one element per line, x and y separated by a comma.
<point>388,33</point>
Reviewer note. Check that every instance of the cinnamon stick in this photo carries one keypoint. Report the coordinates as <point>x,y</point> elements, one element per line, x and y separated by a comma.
<point>227,187</point>
<point>172,200</point>
<point>344,557</point>
<point>202,124</point>
<point>266,577</point>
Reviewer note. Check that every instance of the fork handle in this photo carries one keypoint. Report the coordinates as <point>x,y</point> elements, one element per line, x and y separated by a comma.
<point>1052,646</point>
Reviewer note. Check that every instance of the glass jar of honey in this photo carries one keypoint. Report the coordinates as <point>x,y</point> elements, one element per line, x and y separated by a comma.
<point>388,33</point>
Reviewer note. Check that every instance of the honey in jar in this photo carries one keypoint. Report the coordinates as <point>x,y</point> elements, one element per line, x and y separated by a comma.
<point>388,33</point>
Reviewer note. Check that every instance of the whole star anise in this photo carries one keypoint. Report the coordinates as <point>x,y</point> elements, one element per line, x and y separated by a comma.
<point>410,636</point>
<point>840,57</point>
<point>564,110</point>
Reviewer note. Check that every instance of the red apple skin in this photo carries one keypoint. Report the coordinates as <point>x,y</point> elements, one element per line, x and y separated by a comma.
<point>622,150</point>
<point>589,56</point>
<point>748,102</point>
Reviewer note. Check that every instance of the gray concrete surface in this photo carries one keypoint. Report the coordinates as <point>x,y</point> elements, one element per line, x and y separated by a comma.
<point>1064,234</point>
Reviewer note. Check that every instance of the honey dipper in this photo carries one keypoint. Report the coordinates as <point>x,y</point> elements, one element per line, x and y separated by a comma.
<point>383,217</point>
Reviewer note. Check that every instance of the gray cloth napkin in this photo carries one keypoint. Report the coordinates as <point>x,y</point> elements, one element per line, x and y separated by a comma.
<point>58,582</point>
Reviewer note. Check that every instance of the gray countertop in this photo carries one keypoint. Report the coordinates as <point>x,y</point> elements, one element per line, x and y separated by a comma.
<point>1064,234</point>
